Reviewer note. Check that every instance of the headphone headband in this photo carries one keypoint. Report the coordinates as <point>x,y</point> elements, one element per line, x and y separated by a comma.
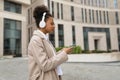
<point>42,22</point>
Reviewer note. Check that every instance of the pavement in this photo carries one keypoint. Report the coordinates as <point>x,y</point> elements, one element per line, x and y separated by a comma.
<point>17,69</point>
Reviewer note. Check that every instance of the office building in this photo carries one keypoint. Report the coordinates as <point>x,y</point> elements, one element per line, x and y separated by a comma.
<point>13,27</point>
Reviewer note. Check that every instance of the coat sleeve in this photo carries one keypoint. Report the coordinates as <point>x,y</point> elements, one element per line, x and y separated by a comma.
<point>42,59</point>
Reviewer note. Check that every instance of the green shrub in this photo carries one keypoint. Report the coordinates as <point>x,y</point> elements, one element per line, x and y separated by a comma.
<point>77,50</point>
<point>58,48</point>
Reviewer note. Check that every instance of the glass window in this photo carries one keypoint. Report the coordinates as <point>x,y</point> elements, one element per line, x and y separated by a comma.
<point>117,17</point>
<point>91,2</point>
<point>52,38</point>
<point>29,16</point>
<point>118,32</point>
<point>52,8</point>
<point>100,17</point>
<point>93,16</point>
<point>58,10</point>
<point>81,1</point>
<point>12,37</point>
<point>115,4</point>
<point>90,15</point>
<point>82,14</point>
<point>104,17</point>
<point>107,17</point>
<point>12,7</point>
<point>97,17</point>
<point>85,2</point>
<point>72,13</point>
<point>61,11</point>
<point>73,35</point>
<point>86,15</point>
<point>61,35</point>
<point>48,4</point>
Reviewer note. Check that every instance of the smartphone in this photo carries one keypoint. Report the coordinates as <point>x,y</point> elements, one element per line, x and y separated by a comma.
<point>72,46</point>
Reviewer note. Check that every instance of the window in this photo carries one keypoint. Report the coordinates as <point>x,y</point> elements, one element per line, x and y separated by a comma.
<point>103,3</point>
<point>30,15</point>
<point>85,2</point>
<point>58,10</point>
<point>106,3</point>
<point>12,37</point>
<point>72,13</point>
<point>81,1</point>
<point>12,7</point>
<point>52,38</point>
<point>86,15</point>
<point>99,3</point>
<point>97,17</point>
<point>91,2</point>
<point>90,15</point>
<point>61,35</point>
<point>118,32</point>
<point>115,4</point>
<point>73,35</point>
<point>82,15</point>
<point>117,17</point>
<point>100,17</point>
<point>107,17</point>
<point>52,8</point>
<point>104,17</point>
<point>93,16</point>
<point>48,4</point>
<point>61,11</point>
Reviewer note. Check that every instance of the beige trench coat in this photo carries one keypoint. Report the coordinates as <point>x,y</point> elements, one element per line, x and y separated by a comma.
<point>42,62</point>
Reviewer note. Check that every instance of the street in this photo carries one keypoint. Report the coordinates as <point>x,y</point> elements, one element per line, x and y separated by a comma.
<point>17,69</point>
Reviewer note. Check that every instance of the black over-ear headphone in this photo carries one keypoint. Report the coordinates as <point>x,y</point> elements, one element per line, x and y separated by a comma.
<point>42,23</point>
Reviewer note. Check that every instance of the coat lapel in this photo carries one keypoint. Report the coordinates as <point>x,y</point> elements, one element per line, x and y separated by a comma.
<point>46,44</point>
<point>48,49</point>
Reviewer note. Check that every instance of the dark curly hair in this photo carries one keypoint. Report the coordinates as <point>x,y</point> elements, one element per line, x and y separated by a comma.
<point>38,13</point>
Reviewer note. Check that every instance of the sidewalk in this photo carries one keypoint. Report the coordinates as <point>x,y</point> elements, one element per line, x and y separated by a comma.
<point>17,69</point>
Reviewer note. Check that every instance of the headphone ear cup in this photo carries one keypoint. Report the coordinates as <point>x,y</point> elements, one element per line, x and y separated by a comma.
<point>42,24</point>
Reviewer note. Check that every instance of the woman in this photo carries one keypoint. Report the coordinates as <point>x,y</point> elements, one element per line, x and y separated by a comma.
<point>43,60</point>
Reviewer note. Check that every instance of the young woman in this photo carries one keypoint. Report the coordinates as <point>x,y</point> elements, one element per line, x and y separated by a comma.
<point>44,62</point>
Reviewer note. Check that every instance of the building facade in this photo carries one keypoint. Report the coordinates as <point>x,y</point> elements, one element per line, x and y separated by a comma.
<point>91,24</point>
<point>13,27</point>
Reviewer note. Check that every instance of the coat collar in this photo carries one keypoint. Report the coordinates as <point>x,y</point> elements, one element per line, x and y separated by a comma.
<point>40,34</point>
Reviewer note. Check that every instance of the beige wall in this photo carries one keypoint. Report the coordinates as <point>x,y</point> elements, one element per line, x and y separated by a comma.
<point>1,36</point>
<point>24,39</point>
<point>66,13</point>
<point>114,38</point>
<point>1,28</point>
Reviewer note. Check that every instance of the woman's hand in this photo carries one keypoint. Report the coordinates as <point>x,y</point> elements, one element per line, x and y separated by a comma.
<point>68,50</point>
